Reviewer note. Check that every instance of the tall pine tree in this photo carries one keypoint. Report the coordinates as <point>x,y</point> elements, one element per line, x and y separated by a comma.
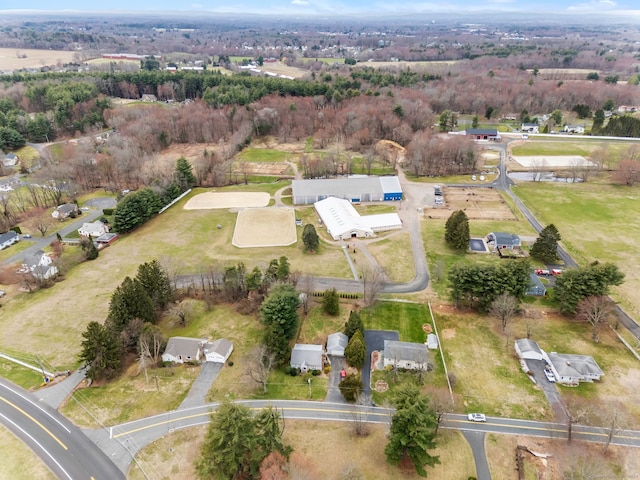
<point>456,230</point>
<point>545,248</point>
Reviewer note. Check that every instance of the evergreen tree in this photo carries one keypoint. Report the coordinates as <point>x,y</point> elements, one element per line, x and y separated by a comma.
<point>456,230</point>
<point>135,209</point>
<point>280,309</point>
<point>184,176</point>
<point>129,301</point>
<point>330,302</point>
<point>356,350</point>
<point>155,281</point>
<point>310,238</point>
<point>100,351</point>
<point>576,284</point>
<point>89,249</point>
<point>253,280</point>
<point>413,430</point>
<point>282,273</point>
<point>351,387</point>
<point>545,248</point>
<point>353,324</point>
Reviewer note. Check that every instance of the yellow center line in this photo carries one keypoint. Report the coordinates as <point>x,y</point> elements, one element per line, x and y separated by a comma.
<point>34,421</point>
<point>196,415</point>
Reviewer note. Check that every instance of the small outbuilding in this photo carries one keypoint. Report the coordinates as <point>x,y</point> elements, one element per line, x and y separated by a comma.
<point>307,357</point>
<point>217,351</point>
<point>408,355</point>
<point>10,160</point>
<point>483,134</point>
<point>528,349</point>
<point>536,287</point>
<point>432,341</point>
<point>336,343</point>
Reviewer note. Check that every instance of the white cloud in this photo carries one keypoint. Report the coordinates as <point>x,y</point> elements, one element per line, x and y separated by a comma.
<point>299,2</point>
<point>594,5</point>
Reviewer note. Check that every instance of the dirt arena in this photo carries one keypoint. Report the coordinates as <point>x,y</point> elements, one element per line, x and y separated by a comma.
<point>210,200</point>
<point>265,227</point>
<point>477,203</point>
<point>265,169</point>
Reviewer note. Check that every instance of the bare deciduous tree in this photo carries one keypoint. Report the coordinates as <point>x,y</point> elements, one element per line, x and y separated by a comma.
<point>181,311</point>
<point>261,363</point>
<point>504,307</point>
<point>307,285</point>
<point>372,283</point>
<point>595,309</point>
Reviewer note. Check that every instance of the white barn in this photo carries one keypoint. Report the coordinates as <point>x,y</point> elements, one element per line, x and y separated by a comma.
<point>343,221</point>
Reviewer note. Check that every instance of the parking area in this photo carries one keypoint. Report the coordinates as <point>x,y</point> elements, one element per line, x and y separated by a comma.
<point>537,368</point>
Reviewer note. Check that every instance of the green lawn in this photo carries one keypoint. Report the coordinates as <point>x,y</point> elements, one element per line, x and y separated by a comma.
<point>20,375</point>
<point>406,318</point>
<point>285,387</point>
<point>266,155</point>
<point>18,461</point>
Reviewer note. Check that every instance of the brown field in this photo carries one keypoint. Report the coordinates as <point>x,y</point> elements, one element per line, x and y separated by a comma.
<point>262,169</point>
<point>280,68</point>
<point>10,58</point>
<point>212,200</point>
<point>405,65</point>
<point>265,227</point>
<point>478,204</point>
<point>314,444</point>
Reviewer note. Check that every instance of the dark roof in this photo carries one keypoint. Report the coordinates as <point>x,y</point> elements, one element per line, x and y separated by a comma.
<point>482,131</point>
<point>503,238</point>
<point>536,287</point>
<point>67,208</point>
<point>7,236</point>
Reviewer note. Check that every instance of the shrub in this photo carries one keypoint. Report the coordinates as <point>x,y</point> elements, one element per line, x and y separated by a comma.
<point>327,369</point>
<point>315,373</point>
<point>107,211</point>
<point>17,230</point>
<point>230,363</point>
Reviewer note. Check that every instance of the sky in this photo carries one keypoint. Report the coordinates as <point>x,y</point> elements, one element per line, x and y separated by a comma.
<point>324,7</point>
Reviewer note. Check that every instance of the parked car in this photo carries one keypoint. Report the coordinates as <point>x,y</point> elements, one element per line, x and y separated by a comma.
<point>550,376</point>
<point>2,293</point>
<point>542,271</point>
<point>556,271</point>
<point>26,235</point>
<point>477,417</point>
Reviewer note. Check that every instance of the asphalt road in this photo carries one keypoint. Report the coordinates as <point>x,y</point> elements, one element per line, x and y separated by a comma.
<point>476,442</point>
<point>61,445</point>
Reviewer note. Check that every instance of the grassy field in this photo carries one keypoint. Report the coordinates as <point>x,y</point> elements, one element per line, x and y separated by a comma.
<point>322,450</point>
<point>18,462</point>
<point>267,155</point>
<point>584,146</point>
<point>599,210</point>
<point>17,58</point>
<point>20,375</point>
<point>394,256</point>
<point>406,318</point>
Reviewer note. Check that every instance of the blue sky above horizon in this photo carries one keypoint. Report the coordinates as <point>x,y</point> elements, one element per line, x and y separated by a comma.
<point>320,7</point>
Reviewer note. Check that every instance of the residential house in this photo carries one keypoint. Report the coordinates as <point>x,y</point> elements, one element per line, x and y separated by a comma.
<point>186,349</point>
<point>627,109</point>
<point>8,239</point>
<point>94,229</point>
<point>40,265</point>
<point>336,343</point>
<point>65,211</point>
<point>10,160</point>
<point>503,241</point>
<point>411,356</point>
<point>483,134</point>
<point>573,129</point>
<point>530,128</point>
<point>572,369</point>
<point>307,357</point>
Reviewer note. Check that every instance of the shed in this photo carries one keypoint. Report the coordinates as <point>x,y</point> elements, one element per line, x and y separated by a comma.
<point>306,357</point>
<point>412,356</point>
<point>536,287</point>
<point>10,160</point>
<point>432,341</point>
<point>217,351</point>
<point>529,350</point>
<point>483,133</point>
<point>336,343</point>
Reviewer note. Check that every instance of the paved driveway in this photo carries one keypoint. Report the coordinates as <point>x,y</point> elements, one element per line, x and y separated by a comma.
<point>375,341</point>
<point>197,395</point>
<point>334,395</point>
<point>549,388</point>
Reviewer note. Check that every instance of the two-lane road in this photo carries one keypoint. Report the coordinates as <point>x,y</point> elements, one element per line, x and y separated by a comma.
<point>62,446</point>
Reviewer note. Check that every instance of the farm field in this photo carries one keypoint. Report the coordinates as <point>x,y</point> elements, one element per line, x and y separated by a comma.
<point>477,203</point>
<point>10,58</point>
<point>586,214</point>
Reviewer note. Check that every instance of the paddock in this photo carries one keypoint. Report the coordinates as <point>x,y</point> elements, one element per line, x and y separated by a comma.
<point>211,200</point>
<point>477,203</point>
<point>265,227</point>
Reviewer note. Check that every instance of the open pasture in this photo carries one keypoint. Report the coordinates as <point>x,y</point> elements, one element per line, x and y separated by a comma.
<point>17,58</point>
<point>212,200</point>
<point>477,203</point>
<point>538,161</point>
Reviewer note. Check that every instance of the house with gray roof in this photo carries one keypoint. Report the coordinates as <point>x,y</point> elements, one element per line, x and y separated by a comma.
<point>217,351</point>
<point>572,369</point>
<point>536,287</point>
<point>529,350</point>
<point>408,355</point>
<point>10,160</point>
<point>64,211</point>
<point>40,265</point>
<point>503,241</point>
<point>187,349</point>
<point>8,239</point>
<point>307,357</point>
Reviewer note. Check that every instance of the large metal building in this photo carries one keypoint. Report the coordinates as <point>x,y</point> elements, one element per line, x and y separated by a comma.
<point>354,189</point>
